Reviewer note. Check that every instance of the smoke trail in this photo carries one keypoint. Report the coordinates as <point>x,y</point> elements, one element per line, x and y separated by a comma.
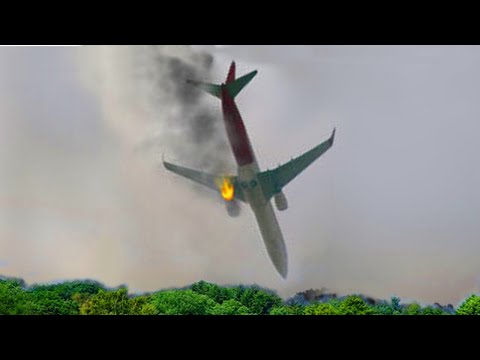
<point>175,117</point>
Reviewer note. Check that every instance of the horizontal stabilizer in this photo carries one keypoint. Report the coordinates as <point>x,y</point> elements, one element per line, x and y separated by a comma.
<point>215,90</point>
<point>234,87</point>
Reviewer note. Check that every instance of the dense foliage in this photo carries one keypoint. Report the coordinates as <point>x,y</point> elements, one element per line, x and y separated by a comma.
<point>471,306</point>
<point>202,298</point>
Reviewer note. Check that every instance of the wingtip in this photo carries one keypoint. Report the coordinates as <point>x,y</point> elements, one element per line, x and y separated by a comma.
<point>164,163</point>
<point>332,138</point>
<point>282,269</point>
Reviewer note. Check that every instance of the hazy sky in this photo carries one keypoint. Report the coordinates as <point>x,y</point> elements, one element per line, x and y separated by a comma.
<point>390,209</point>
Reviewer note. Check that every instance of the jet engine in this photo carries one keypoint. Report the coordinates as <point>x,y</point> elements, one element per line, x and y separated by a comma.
<point>281,202</point>
<point>233,208</point>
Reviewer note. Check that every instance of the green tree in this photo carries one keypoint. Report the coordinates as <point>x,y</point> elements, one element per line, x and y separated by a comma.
<point>12,297</point>
<point>80,298</point>
<point>67,289</point>
<point>229,307</point>
<point>181,302</point>
<point>413,309</point>
<point>49,303</point>
<point>395,304</point>
<point>61,299</point>
<point>354,305</point>
<point>258,300</point>
<point>115,302</point>
<point>280,310</point>
<point>148,309</point>
<point>471,306</point>
<point>139,305</point>
<point>385,308</point>
<point>321,309</point>
<point>430,310</point>
<point>216,293</point>
<point>57,299</point>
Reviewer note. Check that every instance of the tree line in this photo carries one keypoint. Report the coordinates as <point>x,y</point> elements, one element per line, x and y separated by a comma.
<point>202,298</point>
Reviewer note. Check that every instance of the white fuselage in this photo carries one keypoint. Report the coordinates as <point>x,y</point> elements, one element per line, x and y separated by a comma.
<point>247,177</point>
<point>265,215</point>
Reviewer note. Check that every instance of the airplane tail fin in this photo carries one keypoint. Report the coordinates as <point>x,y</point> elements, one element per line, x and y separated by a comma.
<point>234,86</point>
<point>231,73</point>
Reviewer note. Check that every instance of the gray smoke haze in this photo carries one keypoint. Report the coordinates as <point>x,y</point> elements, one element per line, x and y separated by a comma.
<point>392,209</point>
<point>151,89</point>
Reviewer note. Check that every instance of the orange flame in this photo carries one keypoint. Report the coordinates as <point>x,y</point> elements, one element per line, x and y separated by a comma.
<point>227,189</point>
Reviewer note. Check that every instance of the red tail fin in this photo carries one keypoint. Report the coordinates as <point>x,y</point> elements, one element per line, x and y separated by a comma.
<point>231,73</point>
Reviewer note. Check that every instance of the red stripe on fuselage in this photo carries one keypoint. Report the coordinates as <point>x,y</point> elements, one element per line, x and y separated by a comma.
<point>231,73</point>
<point>237,134</point>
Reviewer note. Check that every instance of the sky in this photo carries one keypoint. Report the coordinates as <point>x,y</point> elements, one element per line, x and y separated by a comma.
<point>391,209</point>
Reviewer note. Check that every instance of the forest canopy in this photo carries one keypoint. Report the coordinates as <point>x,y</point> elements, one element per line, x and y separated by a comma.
<point>202,298</point>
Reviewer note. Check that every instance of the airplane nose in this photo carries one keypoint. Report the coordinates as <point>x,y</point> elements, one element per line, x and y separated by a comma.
<point>282,268</point>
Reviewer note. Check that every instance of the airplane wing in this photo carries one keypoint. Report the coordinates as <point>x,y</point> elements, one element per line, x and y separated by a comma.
<point>205,179</point>
<point>273,181</point>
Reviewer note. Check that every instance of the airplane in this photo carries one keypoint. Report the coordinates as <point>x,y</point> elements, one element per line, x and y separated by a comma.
<point>251,186</point>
